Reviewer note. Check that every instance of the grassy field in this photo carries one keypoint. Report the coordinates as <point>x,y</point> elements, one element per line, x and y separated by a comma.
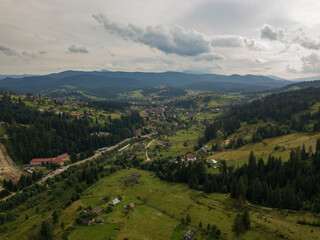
<point>160,206</point>
<point>266,147</point>
<point>178,149</point>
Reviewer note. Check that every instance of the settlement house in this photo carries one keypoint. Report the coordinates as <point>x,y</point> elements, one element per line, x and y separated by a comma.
<point>189,235</point>
<point>96,211</point>
<point>87,221</point>
<point>114,202</point>
<point>132,179</point>
<point>129,206</point>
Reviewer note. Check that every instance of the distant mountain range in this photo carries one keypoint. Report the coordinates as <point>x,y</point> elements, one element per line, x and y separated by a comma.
<point>109,84</point>
<point>299,85</point>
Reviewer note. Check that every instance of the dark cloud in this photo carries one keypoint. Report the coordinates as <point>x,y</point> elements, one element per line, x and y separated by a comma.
<point>311,63</point>
<point>7,51</point>
<point>42,52</point>
<point>170,40</point>
<point>308,43</point>
<point>28,54</point>
<point>270,33</point>
<point>75,49</point>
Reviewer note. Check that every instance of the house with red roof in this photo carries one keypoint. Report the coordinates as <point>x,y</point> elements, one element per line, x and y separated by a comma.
<point>63,157</point>
<point>59,160</point>
<point>190,157</point>
<point>39,161</point>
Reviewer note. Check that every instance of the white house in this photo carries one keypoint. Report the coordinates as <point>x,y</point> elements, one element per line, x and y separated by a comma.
<point>212,161</point>
<point>114,202</point>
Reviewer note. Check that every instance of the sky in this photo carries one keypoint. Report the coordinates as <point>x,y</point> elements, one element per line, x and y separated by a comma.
<point>274,37</point>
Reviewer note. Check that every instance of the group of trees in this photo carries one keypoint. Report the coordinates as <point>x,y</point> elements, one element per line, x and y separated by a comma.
<point>24,181</point>
<point>221,127</point>
<point>293,184</point>
<point>241,223</point>
<point>269,131</point>
<point>33,134</point>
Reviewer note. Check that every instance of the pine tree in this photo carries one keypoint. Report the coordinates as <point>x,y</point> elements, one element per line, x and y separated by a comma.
<point>234,188</point>
<point>256,194</point>
<point>246,220</point>
<point>318,145</point>
<point>238,226</point>
<point>241,188</point>
<point>46,230</point>
<point>304,154</point>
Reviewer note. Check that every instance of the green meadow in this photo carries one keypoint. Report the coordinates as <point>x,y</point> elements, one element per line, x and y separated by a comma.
<point>267,147</point>
<point>161,205</point>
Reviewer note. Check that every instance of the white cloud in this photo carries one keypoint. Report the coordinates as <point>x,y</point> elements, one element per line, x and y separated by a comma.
<point>291,69</point>
<point>259,60</point>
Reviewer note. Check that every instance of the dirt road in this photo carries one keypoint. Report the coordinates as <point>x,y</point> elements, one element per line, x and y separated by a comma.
<point>8,169</point>
<point>147,148</point>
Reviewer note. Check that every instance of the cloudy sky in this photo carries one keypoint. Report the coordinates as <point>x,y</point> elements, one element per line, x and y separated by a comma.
<point>274,37</point>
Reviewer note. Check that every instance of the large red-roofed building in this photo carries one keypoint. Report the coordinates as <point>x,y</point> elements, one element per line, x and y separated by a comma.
<point>59,160</point>
<point>39,161</point>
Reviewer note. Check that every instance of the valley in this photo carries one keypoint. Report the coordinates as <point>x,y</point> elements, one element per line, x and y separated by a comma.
<point>198,156</point>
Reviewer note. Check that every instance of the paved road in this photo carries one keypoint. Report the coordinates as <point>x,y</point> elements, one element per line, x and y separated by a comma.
<point>60,170</point>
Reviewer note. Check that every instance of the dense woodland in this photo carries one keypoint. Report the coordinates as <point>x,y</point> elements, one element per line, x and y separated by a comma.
<point>294,184</point>
<point>32,134</point>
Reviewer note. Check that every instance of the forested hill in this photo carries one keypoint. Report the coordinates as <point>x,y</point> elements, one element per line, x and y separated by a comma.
<point>32,134</point>
<point>112,84</point>
<point>282,113</point>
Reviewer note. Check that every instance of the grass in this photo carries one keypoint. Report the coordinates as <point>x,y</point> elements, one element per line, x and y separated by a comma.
<point>265,148</point>
<point>190,136</point>
<point>160,206</point>
<point>98,232</point>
